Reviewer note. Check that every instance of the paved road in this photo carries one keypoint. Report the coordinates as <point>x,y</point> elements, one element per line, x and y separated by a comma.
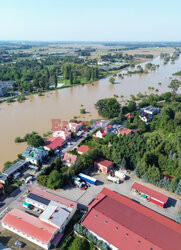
<point>19,192</point>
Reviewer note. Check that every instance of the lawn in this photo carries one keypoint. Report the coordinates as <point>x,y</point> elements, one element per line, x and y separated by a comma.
<point>8,238</point>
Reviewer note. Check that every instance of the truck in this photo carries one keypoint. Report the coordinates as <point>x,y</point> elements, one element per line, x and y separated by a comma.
<point>30,178</point>
<point>88,179</point>
<point>120,175</point>
<point>113,179</point>
<point>27,205</point>
<point>79,183</point>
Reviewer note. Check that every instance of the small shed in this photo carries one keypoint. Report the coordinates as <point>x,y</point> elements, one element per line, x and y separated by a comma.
<point>103,165</point>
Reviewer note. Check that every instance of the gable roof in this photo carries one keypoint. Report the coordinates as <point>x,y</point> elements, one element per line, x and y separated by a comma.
<point>33,153</point>
<point>16,166</point>
<point>126,224</point>
<point>70,158</point>
<point>129,115</point>
<point>125,131</point>
<point>54,142</point>
<point>83,149</point>
<point>29,225</point>
<point>103,162</point>
<point>150,192</point>
<point>52,197</point>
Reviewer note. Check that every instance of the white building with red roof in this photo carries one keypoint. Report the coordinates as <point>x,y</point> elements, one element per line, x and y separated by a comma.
<point>47,230</point>
<point>103,165</point>
<point>54,143</point>
<point>82,149</point>
<point>124,224</point>
<point>75,127</point>
<point>62,134</point>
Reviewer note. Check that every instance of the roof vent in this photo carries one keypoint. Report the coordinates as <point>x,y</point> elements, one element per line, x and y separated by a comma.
<point>139,241</point>
<point>126,234</point>
<point>106,221</point>
<point>116,228</point>
<point>96,215</point>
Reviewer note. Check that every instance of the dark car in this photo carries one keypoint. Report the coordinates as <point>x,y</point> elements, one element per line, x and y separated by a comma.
<point>19,244</point>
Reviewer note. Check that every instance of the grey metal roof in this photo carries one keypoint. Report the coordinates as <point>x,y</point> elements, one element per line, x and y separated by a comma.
<point>38,198</point>
<point>14,167</point>
<point>3,177</point>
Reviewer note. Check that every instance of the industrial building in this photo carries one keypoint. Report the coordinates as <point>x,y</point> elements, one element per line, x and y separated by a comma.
<point>12,170</point>
<point>125,224</point>
<point>150,194</point>
<point>47,229</point>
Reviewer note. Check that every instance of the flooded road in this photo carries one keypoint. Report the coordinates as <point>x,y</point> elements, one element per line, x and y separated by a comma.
<point>35,114</point>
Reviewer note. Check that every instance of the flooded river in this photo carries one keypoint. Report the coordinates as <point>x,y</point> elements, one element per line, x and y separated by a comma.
<point>35,114</point>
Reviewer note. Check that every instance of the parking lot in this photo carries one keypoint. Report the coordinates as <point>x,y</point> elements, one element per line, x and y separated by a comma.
<point>84,197</point>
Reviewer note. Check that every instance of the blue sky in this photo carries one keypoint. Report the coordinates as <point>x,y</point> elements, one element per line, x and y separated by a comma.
<point>90,20</point>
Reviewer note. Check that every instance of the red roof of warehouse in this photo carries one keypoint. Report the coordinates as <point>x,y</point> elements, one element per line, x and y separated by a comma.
<point>128,225</point>
<point>103,162</point>
<point>53,197</point>
<point>54,142</point>
<point>83,149</point>
<point>150,192</point>
<point>29,225</point>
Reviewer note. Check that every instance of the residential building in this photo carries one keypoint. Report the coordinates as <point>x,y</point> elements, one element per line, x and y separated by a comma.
<point>145,117</point>
<point>103,165</point>
<point>125,224</point>
<point>75,127</point>
<point>129,116</point>
<point>62,134</point>
<point>69,159</point>
<point>34,155</point>
<point>54,143</point>
<point>100,134</point>
<point>3,90</point>
<point>150,194</point>
<point>82,149</point>
<point>126,131</point>
<point>12,170</point>
<point>151,110</point>
<point>46,230</point>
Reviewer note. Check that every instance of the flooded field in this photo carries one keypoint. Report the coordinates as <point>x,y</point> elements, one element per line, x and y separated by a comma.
<point>35,114</point>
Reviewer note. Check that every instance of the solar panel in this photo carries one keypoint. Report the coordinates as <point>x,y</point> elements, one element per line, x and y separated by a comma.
<point>38,199</point>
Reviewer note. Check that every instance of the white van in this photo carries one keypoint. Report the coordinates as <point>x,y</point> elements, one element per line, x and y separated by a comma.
<point>28,179</point>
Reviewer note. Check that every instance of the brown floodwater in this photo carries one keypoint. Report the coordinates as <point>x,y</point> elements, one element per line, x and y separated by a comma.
<point>35,114</point>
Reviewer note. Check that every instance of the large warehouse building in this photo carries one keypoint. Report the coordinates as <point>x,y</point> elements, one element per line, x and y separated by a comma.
<point>125,224</point>
<point>47,229</point>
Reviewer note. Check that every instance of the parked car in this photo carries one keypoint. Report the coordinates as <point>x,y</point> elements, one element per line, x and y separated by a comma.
<point>19,244</point>
<point>37,210</point>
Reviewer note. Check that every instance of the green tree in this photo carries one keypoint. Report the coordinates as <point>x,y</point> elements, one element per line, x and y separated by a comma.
<point>55,180</point>
<point>174,86</point>
<point>55,81</point>
<point>112,80</point>
<point>35,141</point>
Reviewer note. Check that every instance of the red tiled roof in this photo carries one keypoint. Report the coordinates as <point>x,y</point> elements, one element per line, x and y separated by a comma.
<point>103,162</point>
<point>29,225</point>
<point>150,192</point>
<point>125,131</point>
<point>70,158</point>
<point>53,197</point>
<point>128,225</point>
<point>129,115</point>
<point>54,142</point>
<point>83,149</point>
